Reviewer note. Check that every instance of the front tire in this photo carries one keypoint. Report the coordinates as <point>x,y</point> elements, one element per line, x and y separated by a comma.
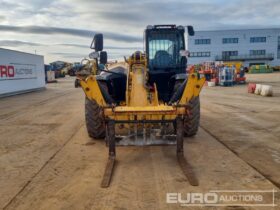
<point>95,122</point>
<point>191,122</point>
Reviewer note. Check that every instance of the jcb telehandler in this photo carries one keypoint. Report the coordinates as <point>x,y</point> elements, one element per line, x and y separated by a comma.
<point>149,100</point>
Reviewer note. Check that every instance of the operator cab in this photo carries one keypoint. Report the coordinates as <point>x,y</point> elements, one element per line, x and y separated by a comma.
<point>165,47</point>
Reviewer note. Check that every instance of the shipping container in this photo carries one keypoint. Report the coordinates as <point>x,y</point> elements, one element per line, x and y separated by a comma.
<point>20,72</point>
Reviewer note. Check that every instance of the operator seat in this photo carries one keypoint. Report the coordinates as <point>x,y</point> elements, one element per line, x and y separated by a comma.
<point>162,59</point>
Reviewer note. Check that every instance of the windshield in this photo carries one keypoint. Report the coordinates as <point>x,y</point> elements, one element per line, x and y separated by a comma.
<point>164,48</point>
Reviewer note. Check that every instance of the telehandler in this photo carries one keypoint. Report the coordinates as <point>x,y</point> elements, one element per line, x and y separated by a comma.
<point>148,100</point>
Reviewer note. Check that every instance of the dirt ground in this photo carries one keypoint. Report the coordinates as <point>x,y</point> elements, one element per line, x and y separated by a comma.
<point>47,160</point>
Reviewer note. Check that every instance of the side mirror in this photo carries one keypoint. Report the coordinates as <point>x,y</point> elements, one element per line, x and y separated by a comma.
<point>103,57</point>
<point>190,31</point>
<point>184,53</point>
<point>97,42</point>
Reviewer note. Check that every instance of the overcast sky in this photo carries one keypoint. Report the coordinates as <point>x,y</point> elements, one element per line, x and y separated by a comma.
<point>63,29</point>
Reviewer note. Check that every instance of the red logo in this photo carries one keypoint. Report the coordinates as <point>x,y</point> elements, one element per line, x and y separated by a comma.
<point>7,71</point>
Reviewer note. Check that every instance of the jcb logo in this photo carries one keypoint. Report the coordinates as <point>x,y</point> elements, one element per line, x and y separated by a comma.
<point>7,71</point>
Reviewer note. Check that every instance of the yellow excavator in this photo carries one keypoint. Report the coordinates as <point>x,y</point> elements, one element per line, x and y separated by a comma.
<point>149,100</point>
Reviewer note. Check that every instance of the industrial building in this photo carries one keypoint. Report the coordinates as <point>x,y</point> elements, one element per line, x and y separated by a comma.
<point>251,46</point>
<point>20,72</point>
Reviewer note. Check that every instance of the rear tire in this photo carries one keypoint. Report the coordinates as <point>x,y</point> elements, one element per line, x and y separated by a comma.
<point>95,122</point>
<point>191,121</point>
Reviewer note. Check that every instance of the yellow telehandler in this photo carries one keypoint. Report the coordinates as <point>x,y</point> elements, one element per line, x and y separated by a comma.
<point>148,100</point>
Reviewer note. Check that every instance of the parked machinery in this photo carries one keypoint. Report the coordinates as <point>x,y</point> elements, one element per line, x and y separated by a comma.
<point>239,71</point>
<point>75,67</point>
<point>208,69</point>
<point>254,69</point>
<point>221,73</point>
